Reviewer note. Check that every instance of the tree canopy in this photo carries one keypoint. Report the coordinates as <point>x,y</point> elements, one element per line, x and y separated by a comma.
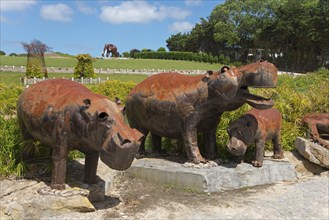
<point>293,34</point>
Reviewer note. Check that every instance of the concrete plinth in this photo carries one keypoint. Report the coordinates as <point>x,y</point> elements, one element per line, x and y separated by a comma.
<point>213,179</point>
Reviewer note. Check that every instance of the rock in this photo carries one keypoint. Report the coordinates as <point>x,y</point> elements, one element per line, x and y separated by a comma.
<point>212,178</point>
<point>29,199</point>
<point>313,152</point>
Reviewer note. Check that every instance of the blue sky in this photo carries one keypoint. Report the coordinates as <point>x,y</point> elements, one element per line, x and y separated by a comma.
<point>76,27</point>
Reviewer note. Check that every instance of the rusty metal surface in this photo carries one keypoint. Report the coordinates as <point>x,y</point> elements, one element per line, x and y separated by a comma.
<point>65,115</point>
<point>256,126</point>
<point>259,74</point>
<point>175,105</point>
<point>317,125</point>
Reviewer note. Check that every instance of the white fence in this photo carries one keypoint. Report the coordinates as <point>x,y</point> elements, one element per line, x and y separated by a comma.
<point>30,81</point>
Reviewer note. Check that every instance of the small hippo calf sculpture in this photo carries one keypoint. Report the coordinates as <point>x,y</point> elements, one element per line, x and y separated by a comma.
<point>256,126</point>
<point>66,116</point>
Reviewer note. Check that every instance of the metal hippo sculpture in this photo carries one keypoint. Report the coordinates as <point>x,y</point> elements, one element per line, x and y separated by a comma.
<point>317,125</point>
<point>110,48</point>
<point>256,126</point>
<point>175,105</point>
<point>65,115</point>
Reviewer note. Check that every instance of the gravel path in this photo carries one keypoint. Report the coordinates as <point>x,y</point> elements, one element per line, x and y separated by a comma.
<point>306,198</point>
<point>302,200</point>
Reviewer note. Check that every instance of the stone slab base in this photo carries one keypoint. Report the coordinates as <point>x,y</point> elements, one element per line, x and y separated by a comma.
<point>213,179</point>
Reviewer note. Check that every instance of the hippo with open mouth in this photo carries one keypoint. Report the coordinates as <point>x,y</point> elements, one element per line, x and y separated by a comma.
<point>179,106</point>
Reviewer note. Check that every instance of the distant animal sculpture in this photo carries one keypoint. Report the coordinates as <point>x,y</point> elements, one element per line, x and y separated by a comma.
<point>318,125</point>
<point>65,115</point>
<point>175,105</point>
<point>256,126</point>
<point>110,48</point>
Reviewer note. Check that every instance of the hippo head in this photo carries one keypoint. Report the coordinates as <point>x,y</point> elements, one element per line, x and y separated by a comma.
<point>223,84</point>
<point>242,134</point>
<point>106,132</point>
<point>260,74</point>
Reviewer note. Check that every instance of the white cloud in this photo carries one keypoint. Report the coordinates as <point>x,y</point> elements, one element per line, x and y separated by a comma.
<point>181,26</point>
<point>84,8</point>
<point>13,5</point>
<point>193,2</point>
<point>139,12</point>
<point>58,12</point>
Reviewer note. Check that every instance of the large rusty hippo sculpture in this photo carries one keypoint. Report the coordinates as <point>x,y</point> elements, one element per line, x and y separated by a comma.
<point>175,105</point>
<point>66,115</point>
<point>317,125</point>
<point>256,126</point>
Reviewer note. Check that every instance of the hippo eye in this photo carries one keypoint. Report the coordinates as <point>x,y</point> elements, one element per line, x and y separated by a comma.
<point>240,132</point>
<point>103,116</point>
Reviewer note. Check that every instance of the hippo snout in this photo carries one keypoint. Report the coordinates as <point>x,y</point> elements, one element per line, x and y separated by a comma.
<point>236,147</point>
<point>118,152</point>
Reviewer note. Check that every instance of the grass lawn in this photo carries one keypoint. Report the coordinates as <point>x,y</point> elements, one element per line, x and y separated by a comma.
<point>116,63</point>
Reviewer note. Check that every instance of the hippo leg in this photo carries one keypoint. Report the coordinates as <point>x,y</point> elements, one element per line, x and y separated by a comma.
<point>156,145</point>
<point>189,135</point>
<point>142,152</point>
<point>258,162</point>
<point>278,153</point>
<point>91,162</point>
<point>210,144</point>
<point>59,156</point>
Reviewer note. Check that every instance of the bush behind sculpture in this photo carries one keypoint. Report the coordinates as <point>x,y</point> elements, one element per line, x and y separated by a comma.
<point>34,69</point>
<point>84,67</point>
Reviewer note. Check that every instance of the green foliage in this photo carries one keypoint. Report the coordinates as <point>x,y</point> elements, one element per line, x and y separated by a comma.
<point>178,55</point>
<point>2,53</point>
<point>113,88</point>
<point>10,141</point>
<point>34,68</point>
<point>297,29</point>
<point>8,99</point>
<point>161,49</point>
<point>13,55</point>
<point>84,67</point>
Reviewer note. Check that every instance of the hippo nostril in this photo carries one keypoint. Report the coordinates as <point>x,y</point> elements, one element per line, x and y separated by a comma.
<point>123,141</point>
<point>234,148</point>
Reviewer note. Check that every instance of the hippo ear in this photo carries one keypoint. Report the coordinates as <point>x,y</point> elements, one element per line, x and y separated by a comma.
<point>117,100</point>
<point>87,102</point>
<point>207,76</point>
<point>224,69</point>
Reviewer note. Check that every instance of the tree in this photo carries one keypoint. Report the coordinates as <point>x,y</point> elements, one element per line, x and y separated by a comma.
<point>161,49</point>
<point>133,52</point>
<point>84,67</point>
<point>299,29</point>
<point>177,42</point>
<point>2,53</point>
<point>36,65</point>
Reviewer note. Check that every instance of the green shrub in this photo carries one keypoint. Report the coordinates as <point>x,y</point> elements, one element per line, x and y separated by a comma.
<point>8,99</point>
<point>84,67</point>
<point>34,68</point>
<point>113,88</point>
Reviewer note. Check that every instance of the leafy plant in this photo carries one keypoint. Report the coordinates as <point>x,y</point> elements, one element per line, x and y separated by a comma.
<point>84,67</point>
